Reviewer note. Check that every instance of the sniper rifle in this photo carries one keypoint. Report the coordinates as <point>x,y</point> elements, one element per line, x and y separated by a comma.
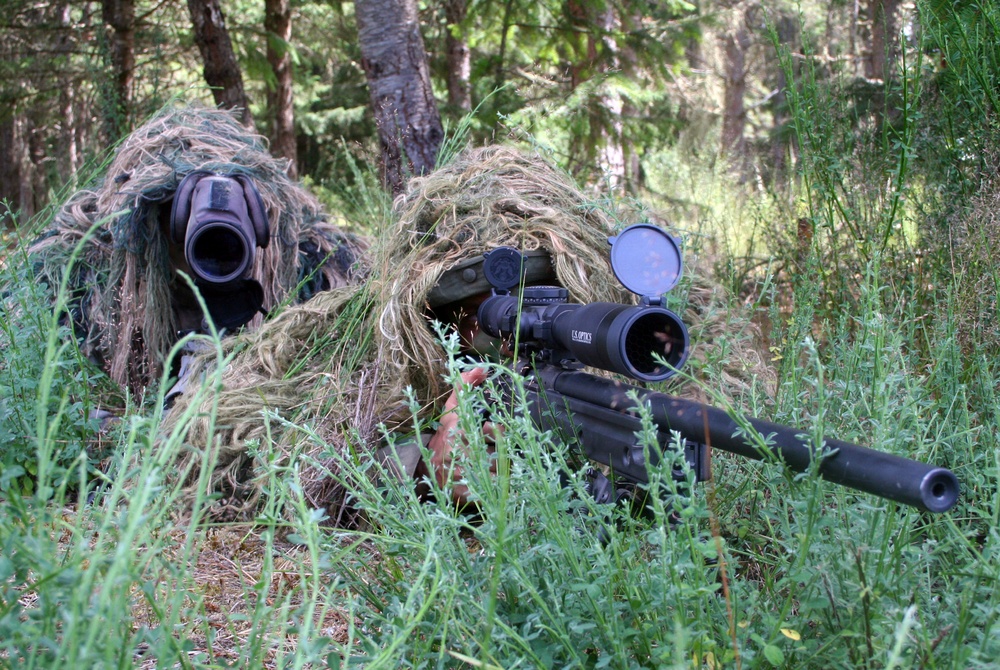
<point>650,343</point>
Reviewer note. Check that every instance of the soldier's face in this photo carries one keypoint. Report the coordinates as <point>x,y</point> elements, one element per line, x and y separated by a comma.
<point>474,340</point>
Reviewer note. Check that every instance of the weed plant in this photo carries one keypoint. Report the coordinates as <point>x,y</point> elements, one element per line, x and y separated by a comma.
<point>37,379</point>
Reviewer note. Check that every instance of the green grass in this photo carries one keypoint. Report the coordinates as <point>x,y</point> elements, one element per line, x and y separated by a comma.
<point>757,569</point>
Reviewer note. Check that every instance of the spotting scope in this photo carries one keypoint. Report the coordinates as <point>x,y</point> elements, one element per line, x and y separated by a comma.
<point>220,220</point>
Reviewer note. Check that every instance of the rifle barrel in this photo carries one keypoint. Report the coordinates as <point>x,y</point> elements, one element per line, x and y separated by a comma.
<point>927,487</point>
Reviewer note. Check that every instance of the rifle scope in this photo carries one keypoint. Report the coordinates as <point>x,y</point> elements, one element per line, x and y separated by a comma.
<point>220,220</point>
<point>646,343</point>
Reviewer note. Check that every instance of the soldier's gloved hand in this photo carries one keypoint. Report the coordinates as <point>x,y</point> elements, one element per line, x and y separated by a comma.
<point>448,436</point>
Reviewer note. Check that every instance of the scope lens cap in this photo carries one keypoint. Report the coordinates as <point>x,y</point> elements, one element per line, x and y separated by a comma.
<point>503,267</point>
<point>646,259</point>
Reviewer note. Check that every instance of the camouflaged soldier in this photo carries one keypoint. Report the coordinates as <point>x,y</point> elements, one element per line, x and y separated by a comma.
<point>192,191</point>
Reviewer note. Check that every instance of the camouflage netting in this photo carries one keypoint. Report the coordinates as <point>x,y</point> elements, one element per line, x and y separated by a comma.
<point>340,362</point>
<point>125,293</point>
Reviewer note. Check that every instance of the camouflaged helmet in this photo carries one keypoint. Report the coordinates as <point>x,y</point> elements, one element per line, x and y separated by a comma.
<point>466,279</point>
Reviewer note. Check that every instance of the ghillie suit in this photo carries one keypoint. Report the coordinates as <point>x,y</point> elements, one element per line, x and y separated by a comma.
<point>341,362</point>
<point>127,301</point>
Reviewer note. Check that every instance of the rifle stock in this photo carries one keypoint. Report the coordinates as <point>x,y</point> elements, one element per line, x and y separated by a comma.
<point>602,418</point>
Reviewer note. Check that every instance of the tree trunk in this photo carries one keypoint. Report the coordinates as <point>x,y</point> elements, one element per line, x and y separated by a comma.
<point>499,73</point>
<point>603,147</point>
<point>68,132</point>
<point>631,71</point>
<point>395,64</point>
<point>119,15</point>
<point>13,150</point>
<point>11,160</point>
<point>882,14</point>
<point>459,57</point>
<point>609,130</point>
<point>70,160</point>
<point>734,114</point>
<point>222,72</point>
<point>278,26</point>
<point>852,42</point>
<point>34,185</point>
